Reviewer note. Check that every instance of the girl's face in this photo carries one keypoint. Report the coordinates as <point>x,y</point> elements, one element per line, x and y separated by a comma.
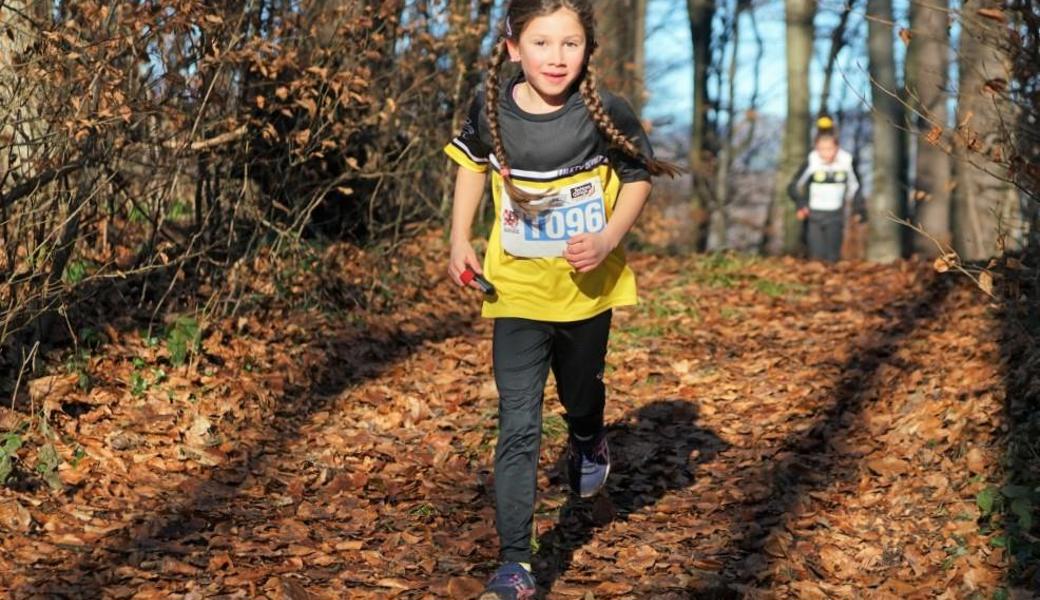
<point>827,148</point>
<point>551,51</point>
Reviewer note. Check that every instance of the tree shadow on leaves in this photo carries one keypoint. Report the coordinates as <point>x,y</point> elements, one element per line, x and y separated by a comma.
<point>200,520</point>
<point>650,452</point>
<point>807,460</point>
<point>654,450</point>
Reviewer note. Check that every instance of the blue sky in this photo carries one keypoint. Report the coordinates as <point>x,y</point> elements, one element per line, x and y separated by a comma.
<point>669,69</point>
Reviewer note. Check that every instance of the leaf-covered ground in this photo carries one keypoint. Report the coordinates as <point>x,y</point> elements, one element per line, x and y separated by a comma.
<point>779,430</point>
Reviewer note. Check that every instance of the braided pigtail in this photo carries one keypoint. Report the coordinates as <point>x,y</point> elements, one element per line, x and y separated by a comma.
<point>521,199</point>
<point>606,126</point>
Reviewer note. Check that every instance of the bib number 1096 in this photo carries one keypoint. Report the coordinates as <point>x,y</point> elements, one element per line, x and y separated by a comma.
<point>566,221</point>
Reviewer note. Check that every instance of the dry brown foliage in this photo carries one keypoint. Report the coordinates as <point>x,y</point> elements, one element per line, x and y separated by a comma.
<point>154,143</point>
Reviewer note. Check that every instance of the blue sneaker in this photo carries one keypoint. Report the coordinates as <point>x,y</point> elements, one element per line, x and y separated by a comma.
<point>588,464</point>
<point>510,582</point>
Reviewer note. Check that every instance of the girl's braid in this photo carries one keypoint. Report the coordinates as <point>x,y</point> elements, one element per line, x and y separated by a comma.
<point>521,199</point>
<point>606,126</point>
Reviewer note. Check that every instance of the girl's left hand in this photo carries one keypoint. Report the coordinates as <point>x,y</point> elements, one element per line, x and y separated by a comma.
<point>586,251</point>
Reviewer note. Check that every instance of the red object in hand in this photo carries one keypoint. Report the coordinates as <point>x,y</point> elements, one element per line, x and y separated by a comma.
<point>485,286</point>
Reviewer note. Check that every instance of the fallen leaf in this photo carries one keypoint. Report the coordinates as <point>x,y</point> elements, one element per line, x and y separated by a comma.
<point>637,561</point>
<point>976,461</point>
<point>995,14</point>
<point>220,561</point>
<point>808,590</point>
<point>394,583</point>
<point>994,86</point>
<point>177,567</point>
<point>53,386</point>
<point>464,587</point>
<point>833,559</point>
<point>986,282</point>
<point>945,262</point>
<point>613,587</point>
<point>888,466</point>
<point>14,517</point>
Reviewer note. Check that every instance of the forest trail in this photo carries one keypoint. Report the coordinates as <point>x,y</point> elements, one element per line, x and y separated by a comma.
<point>779,430</point>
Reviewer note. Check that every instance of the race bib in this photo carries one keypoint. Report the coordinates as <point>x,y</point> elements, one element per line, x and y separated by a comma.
<point>826,196</point>
<point>577,208</point>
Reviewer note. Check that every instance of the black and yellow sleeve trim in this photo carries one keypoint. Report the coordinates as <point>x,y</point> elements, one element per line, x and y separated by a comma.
<point>459,154</point>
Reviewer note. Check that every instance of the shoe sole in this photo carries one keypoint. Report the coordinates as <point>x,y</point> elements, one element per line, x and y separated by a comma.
<point>490,596</point>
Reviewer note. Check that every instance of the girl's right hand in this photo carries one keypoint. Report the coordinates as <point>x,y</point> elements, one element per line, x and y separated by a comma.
<point>803,213</point>
<point>463,257</point>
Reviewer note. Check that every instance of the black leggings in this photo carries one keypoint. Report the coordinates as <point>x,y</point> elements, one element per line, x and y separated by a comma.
<point>826,230</point>
<point>524,350</point>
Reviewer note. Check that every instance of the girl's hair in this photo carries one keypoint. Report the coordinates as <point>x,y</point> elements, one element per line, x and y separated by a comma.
<point>518,15</point>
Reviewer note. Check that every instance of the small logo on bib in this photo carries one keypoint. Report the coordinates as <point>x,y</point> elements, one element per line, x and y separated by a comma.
<point>582,191</point>
<point>510,221</point>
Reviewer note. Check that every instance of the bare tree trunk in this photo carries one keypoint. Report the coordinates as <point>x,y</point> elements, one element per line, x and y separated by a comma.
<point>926,68</point>
<point>985,205</point>
<point>701,14</point>
<point>1025,58</point>
<point>783,228</point>
<point>760,50</point>
<point>621,31</point>
<point>885,242</point>
<point>837,43</point>
<point>719,226</point>
<point>21,163</point>
<point>19,123</point>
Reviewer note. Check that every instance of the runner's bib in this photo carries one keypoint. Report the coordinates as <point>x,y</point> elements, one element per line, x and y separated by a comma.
<point>826,196</point>
<point>577,208</point>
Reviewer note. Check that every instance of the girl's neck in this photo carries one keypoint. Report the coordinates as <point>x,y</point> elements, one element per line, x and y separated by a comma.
<point>532,102</point>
